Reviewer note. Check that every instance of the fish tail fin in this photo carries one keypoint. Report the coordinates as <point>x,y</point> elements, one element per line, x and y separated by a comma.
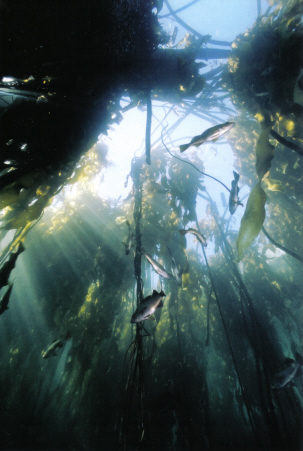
<point>299,358</point>
<point>21,247</point>
<point>183,232</point>
<point>236,175</point>
<point>183,147</point>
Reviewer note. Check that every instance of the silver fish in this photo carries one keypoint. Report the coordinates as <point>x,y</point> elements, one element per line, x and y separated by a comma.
<point>234,194</point>
<point>211,134</point>
<point>287,372</point>
<point>148,306</point>
<point>177,273</point>
<point>157,267</point>
<point>201,238</point>
<point>129,243</point>
<point>173,36</point>
<point>53,349</point>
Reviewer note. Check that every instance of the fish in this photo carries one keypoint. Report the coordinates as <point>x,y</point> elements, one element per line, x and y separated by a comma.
<point>148,306</point>
<point>5,300</point>
<point>211,134</point>
<point>157,267</point>
<point>53,349</point>
<point>234,194</point>
<point>9,265</point>
<point>201,238</point>
<point>287,372</point>
<point>177,273</point>
<point>173,36</point>
<point>128,244</point>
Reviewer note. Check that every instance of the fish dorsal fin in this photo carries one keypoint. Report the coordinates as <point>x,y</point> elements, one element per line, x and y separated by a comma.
<point>155,293</point>
<point>145,299</point>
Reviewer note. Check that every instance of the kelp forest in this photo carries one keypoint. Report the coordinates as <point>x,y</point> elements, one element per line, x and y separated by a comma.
<point>169,318</point>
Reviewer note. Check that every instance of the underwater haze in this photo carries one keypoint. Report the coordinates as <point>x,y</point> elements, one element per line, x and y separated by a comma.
<point>151,207</point>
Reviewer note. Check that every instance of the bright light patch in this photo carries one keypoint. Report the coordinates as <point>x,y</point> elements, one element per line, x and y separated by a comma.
<point>8,79</point>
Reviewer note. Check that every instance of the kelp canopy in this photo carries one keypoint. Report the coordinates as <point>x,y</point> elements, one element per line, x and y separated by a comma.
<point>201,374</point>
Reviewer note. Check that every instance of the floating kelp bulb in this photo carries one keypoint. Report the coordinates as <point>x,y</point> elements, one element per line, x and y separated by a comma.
<point>252,220</point>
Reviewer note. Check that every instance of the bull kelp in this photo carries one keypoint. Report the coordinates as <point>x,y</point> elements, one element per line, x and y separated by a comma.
<point>151,299</point>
